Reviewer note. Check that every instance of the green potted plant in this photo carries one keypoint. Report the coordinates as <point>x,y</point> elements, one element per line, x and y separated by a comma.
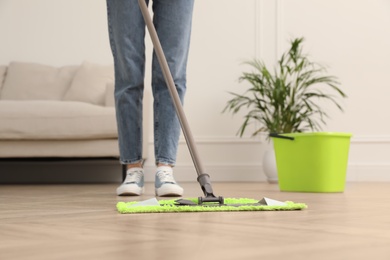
<point>287,98</point>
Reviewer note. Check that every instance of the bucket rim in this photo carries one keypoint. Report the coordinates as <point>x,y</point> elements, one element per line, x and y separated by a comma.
<point>334,134</point>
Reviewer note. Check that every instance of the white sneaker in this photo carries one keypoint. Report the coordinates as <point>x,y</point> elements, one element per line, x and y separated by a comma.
<point>165,184</point>
<point>133,184</point>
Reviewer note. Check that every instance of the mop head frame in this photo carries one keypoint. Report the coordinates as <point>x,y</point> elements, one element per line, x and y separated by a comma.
<point>230,205</point>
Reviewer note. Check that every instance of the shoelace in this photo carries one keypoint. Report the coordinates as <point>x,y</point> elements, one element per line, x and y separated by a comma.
<point>133,177</point>
<point>165,177</point>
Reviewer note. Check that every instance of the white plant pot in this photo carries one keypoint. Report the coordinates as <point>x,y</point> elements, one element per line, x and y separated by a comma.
<point>269,166</point>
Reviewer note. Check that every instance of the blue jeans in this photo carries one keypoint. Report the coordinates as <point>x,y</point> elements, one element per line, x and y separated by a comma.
<point>172,19</point>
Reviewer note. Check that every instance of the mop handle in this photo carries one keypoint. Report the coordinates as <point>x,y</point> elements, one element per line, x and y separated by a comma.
<point>171,87</point>
<point>276,135</point>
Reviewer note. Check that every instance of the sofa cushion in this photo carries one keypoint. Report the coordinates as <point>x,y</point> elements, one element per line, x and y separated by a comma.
<point>89,83</point>
<point>31,81</point>
<point>53,120</point>
<point>59,148</point>
<point>3,71</point>
<point>110,100</point>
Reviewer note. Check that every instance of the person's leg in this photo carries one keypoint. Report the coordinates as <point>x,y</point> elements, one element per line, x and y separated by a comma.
<point>127,31</point>
<point>172,19</point>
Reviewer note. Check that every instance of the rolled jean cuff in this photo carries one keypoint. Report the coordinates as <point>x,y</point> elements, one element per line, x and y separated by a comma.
<point>126,162</point>
<point>166,162</point>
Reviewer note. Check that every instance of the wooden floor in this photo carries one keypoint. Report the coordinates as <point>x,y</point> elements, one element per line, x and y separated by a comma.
<point>81,222</point>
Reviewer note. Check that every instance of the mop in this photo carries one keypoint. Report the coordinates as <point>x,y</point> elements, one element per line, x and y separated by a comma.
<point>209,202</point>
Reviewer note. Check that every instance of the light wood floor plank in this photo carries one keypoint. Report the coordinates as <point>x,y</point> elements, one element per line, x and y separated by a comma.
<point>81,222</point>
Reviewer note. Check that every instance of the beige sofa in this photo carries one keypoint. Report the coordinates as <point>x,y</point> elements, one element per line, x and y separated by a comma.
<point>65,112</point>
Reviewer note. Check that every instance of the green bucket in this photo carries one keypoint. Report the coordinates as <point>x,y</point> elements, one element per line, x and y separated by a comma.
<point>312,162</point>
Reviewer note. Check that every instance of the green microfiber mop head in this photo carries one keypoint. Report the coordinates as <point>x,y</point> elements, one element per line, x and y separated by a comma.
<point>169,206</point>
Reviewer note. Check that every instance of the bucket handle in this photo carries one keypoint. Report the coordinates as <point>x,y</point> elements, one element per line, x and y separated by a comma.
<point>276,135</point>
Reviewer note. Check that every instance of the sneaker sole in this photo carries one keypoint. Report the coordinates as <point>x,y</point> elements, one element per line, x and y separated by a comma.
<point>169,191</point>
<point>130,191</point>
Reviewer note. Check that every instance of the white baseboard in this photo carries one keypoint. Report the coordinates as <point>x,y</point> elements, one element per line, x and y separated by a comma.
<point>218,173</point>
<point>254,172</point>
<point>360,172</point>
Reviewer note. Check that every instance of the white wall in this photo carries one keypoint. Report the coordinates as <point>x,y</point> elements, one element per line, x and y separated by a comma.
<point>351,36</point>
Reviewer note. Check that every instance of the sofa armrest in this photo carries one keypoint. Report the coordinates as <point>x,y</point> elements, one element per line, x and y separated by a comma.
<point>109,100</point>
